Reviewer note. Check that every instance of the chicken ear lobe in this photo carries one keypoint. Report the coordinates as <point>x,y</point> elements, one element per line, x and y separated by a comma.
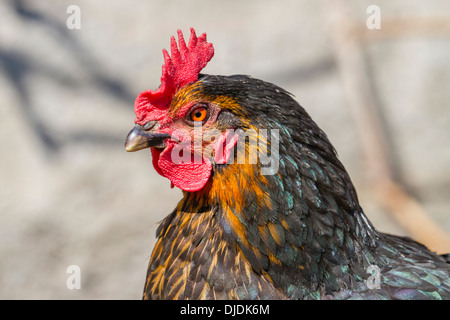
<point>224,149</point>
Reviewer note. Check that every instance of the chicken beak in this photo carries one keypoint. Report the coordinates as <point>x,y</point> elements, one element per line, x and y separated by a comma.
<point>139,139</point>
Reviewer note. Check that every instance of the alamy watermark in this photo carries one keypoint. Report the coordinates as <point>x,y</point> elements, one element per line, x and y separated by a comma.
<point>251,145</point>
<point>74,279</point>
<point>374,280</point>
<point>73,21</point>
<point>374,20</point>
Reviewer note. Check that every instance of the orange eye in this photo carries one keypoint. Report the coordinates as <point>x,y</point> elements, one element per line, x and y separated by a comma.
<point>199,114</point>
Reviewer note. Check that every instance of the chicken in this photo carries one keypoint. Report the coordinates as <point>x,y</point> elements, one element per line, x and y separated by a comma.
<point>268,211</point>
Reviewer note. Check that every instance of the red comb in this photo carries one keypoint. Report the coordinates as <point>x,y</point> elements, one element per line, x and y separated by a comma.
<point>182,68</point>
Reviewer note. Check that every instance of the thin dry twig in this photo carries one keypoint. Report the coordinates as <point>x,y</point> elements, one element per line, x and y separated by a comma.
<point>403,27</point>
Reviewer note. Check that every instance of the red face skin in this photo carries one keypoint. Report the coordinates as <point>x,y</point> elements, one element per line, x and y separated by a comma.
<point>200,144</point>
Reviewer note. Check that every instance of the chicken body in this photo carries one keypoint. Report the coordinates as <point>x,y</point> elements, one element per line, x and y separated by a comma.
<point>295,233</point>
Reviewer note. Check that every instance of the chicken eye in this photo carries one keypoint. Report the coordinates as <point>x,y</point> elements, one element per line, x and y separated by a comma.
<point>198,114</point>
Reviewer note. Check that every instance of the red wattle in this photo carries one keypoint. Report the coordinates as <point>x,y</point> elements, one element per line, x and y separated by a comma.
<point>224,146</point>
<point>155,158</point>
<point>188,176</point>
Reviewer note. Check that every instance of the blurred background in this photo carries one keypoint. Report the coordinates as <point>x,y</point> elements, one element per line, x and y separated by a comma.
<point>71,195</point>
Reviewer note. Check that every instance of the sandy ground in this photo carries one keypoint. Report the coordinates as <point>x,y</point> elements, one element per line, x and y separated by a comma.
<point>71,195</point>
